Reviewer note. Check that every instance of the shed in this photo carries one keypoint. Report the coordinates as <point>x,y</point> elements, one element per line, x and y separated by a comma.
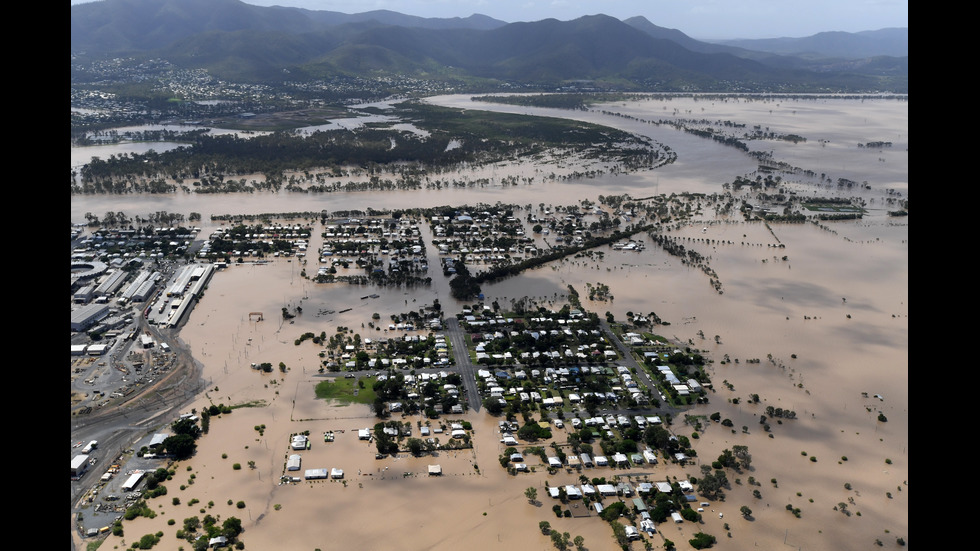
<point>294,462</point>
<point>132,482</point>
<point>435,470</point>
<point>336,473</point>
<point>315,474</point>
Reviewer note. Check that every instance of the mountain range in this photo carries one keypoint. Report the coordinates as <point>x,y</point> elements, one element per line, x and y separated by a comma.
<point>238,41</point>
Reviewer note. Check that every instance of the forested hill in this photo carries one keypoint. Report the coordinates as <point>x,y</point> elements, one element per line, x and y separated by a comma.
<point>238,41</point>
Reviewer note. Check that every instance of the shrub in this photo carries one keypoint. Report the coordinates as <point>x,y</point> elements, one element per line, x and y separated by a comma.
<point>237,466</point>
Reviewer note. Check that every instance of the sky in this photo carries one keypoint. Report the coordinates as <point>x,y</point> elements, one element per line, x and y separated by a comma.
<point>702,19</point>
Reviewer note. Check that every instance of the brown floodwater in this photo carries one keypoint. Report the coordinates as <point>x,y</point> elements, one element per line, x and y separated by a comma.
<point>827,324</point>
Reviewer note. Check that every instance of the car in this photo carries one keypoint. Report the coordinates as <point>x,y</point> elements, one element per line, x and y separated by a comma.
<point>349,376</point>
<point>379,456</point>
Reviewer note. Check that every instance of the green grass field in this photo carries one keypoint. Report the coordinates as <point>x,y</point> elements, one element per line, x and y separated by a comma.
<point>342,390</point>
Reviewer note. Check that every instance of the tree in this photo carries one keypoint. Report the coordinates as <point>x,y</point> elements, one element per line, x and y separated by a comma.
<point>531,494</point>
<point>742,453</point>
<point>545,527</point>
<point>191,524</point>
<point>493,405</point>
<point>579,542</point>
<point>386,446</point>
<point>415,446</point>
<point>186,426</point>
<point>612,512</point>
<point>746,512</point>
<point>379,407</point>
<point>147,542</point>
<point>619,532</point>
<point>560,540</point>
<point>181,446</point>
<point>532,431</point>
<point>702,540</point>
<point>231,527</point>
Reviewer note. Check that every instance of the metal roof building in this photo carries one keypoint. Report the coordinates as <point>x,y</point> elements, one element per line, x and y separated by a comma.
<point>132,482</point>
<point>86,316</point>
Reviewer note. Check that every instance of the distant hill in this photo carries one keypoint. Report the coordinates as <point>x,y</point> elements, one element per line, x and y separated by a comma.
<point>884,42</point>
<point>136,25</point>
<point>242,42</point>
<point>643,24</point>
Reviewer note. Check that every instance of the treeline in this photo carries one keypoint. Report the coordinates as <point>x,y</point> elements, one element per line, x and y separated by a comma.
<point>275,153</point>
<point>454,137</point>
<point>841,216</point>
<point>465,285</point>
<point>720,138</point>
<point>816,201</point>
<point>114,136</point>
<point>555,101</point>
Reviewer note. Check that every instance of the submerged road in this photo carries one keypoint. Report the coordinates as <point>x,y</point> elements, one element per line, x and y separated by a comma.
<point>467,371</point>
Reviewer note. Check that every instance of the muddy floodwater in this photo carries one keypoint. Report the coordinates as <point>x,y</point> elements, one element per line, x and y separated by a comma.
<point>812,317</point>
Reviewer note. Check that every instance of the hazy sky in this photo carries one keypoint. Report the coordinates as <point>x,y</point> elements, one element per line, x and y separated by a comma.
<point>696,18</point>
